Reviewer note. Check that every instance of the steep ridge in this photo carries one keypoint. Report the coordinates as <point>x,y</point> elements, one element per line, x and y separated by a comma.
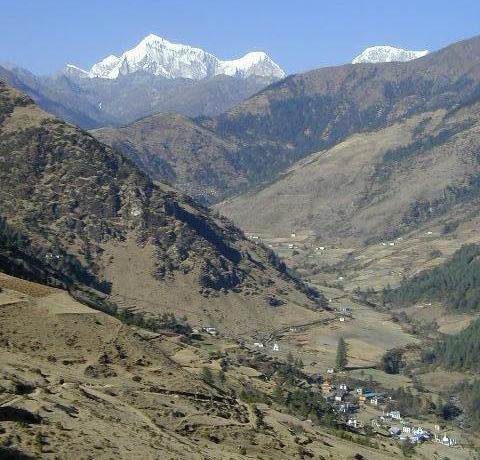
<point>309,112</point>
<point>145,244</point>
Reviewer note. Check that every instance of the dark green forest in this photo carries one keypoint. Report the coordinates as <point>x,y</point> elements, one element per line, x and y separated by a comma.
<point>456,283</point>
<point>462,350</point>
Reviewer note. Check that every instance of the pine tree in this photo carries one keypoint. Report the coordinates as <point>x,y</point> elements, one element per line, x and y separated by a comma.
<point>221,376</point>
<point>206,375</point>
<point>341,360</point>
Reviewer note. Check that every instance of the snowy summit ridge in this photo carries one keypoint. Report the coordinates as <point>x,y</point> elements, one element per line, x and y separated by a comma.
<point>158,56</point>
<point>376,54</point>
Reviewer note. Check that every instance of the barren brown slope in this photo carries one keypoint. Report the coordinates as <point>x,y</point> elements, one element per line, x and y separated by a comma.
<point>150,247</point>
<point>372,184</point>
<point>308,112</point>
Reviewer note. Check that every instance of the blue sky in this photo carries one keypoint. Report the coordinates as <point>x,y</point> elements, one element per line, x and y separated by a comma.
<point>43,35</point>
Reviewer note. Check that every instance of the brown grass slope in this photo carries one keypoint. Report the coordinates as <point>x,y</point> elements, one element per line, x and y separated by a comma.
<point>152,248</point>
<point>300,115</point>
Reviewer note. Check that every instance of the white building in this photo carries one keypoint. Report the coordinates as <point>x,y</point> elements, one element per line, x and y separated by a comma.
<point>395,414</point>
<point>210,330</point>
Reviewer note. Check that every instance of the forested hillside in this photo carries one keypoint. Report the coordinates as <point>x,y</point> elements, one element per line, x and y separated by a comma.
<point>462,350</point>
<point>456,283</point>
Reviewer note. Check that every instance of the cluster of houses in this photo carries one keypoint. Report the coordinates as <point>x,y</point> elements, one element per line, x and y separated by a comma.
<point>275,346</point>
<point>415,434</point>
<point>401,429</point>
<point>347,397</point>
<point>348,401</point>
<point>390,243</point>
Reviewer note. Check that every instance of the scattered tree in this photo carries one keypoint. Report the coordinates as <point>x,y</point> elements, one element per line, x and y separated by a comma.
<point>206,375</point>
<point>341,360</point>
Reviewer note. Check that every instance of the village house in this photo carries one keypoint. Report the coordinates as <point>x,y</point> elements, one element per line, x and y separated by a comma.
<point>395,430</point>
<point>258,344</point>
<point>343,386</point>
<point>446,440</point>
<point>353,422</point>
<point>209,330</point>
<point>347,408</point>
<point>394,414</point>
<point>330,370</point>
<point>275,347</point>
<point>340,395</point>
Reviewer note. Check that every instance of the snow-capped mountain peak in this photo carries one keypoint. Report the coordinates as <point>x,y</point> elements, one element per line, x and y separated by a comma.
<point>107,66</point>
<point>158,56</point>
<point>376,54</point>
<point>253,63</point>
<point>75,71</point>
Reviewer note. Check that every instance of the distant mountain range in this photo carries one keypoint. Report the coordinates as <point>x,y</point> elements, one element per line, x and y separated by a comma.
<point>157,56</point>
<point>376,54</point>
<point>158,76</point>
<point>155,76</point>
